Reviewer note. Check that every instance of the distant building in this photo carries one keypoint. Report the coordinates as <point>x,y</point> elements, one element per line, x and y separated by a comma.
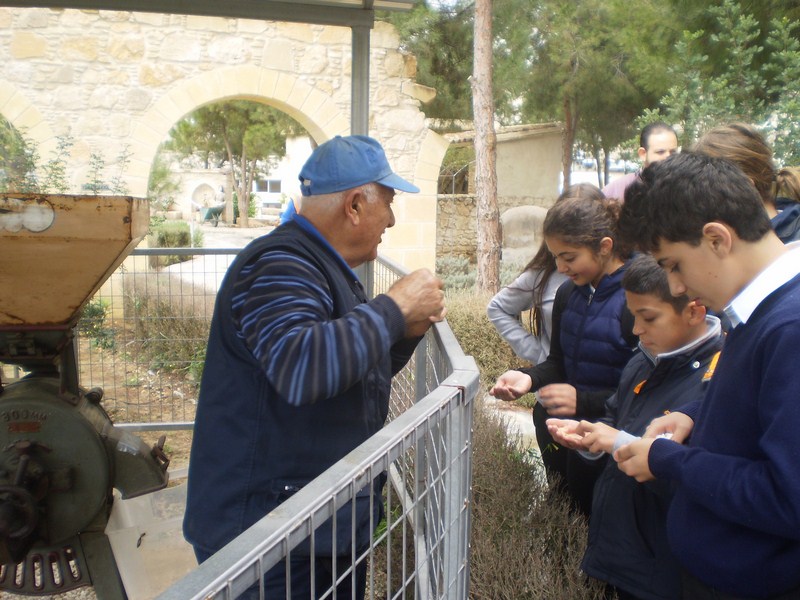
<point>528,160</point>
<point>274,185</point>
<point>281,181</point>
<point>528,182</point>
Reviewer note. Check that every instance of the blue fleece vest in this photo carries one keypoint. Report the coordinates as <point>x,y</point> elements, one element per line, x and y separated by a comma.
<point>594,347</point>
<point>251,449</point>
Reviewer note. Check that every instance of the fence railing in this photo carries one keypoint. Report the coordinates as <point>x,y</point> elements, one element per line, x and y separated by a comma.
<point>142,340</point>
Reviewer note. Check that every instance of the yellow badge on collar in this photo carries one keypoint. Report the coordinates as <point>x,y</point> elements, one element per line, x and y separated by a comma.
<point>711,368</point>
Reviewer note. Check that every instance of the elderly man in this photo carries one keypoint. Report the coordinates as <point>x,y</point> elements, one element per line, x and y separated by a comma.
<point>299,365</point>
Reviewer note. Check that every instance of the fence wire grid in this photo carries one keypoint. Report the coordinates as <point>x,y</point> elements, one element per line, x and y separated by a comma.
<point>142,340</point>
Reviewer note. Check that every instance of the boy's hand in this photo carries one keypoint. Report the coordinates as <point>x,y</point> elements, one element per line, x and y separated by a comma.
<point>511,385</point>
<point>597,437</point>
<point>676,423</point>
<point>632,459</point>
<point>565,432</point>
<point>559,399</point>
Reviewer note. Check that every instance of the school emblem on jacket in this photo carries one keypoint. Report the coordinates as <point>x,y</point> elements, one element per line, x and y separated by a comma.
<point>711,368</point>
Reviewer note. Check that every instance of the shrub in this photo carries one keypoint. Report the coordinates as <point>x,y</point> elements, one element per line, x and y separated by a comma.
<point>525,542</point>
<point>170,234</point>
<point>92,325</point>
<point>252,207</point>
<point>458,273</point>
<point>164,334</point>
<point>466,315</point>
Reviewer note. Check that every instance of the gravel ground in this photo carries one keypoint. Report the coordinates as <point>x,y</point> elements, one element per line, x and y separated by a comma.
<point>224,236</point>
<point>85,593</point>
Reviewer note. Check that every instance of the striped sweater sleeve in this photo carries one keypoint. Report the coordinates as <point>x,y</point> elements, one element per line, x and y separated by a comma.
<point>284,309</point>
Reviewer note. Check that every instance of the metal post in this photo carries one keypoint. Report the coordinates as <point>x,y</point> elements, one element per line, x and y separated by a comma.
<point>359,95</point>
<point>359,111</point>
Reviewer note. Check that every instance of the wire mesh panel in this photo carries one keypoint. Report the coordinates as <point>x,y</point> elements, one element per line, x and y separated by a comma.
<point>142,339</point>
<point>418,550</point>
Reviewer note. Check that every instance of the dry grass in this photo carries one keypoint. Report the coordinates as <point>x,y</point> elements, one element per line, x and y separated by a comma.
<point>466,315</point>
<point>525,542</point>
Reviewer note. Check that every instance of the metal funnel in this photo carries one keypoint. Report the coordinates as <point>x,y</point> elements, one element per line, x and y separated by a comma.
<point>56,252</point>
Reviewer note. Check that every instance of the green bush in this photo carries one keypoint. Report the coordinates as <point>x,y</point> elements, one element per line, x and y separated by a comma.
<point>252,207</point>
<point>172,234</point>
<point>92,325</point>
<point>458,273</point>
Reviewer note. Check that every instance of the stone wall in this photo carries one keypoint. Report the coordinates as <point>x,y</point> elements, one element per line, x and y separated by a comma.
<point>119,79</point>
<point>456,225</point>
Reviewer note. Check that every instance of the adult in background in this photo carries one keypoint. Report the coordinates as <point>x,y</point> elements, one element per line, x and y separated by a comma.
<point>657,141</point>
<point>779,189</point>
<point>299,365</point>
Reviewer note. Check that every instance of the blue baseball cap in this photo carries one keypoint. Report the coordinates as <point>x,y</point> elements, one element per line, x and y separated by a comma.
<point>344,163</point>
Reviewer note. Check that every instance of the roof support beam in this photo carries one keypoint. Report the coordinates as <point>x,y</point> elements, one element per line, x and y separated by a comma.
<point>268,10</point>
<point>359,93</point>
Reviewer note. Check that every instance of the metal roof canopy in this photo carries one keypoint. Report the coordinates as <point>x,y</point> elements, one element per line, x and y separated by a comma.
<point>359,15</point>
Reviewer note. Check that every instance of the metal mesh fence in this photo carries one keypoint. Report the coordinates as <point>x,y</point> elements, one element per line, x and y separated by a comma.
<point>142,337</point>
<point>142,340</point>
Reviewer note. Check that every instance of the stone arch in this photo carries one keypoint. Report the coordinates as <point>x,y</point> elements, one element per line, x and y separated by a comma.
<point>313,109</point>
<point>123,79</point>
<point>25,117</point>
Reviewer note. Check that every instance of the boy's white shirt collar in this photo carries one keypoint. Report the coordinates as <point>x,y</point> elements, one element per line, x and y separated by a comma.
<point>713,329</point>
<point>780,271</point>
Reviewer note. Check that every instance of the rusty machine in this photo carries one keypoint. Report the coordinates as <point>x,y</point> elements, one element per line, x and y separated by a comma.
<point>60,454</point>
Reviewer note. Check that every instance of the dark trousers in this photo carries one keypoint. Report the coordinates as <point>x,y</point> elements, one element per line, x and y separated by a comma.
<point>565,468</point>
<point>694,589</point>
<point>301,578</point>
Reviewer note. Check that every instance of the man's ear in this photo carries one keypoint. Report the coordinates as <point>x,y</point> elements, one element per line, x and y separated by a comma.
<point>718,237</point>
<point>642,152</point>
<point>353,205</point>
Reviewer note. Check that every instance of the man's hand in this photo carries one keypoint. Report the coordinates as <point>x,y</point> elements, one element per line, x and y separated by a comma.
<point>632,459</point>
<point>511,385</point>
<point>565,432</point>
<point>597,437</point>
<point>678,424</point>
<point>420,297</point>
<point>559,399</point>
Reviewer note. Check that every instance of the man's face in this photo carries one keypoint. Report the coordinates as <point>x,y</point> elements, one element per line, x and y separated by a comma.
<point>659,326</point>
<point>697,272</point>
<point>376,217</point>
<point>660,145</point>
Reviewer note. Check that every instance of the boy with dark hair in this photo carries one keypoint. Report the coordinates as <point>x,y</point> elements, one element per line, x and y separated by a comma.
<point>734,522</point>
<point>678,346</point>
